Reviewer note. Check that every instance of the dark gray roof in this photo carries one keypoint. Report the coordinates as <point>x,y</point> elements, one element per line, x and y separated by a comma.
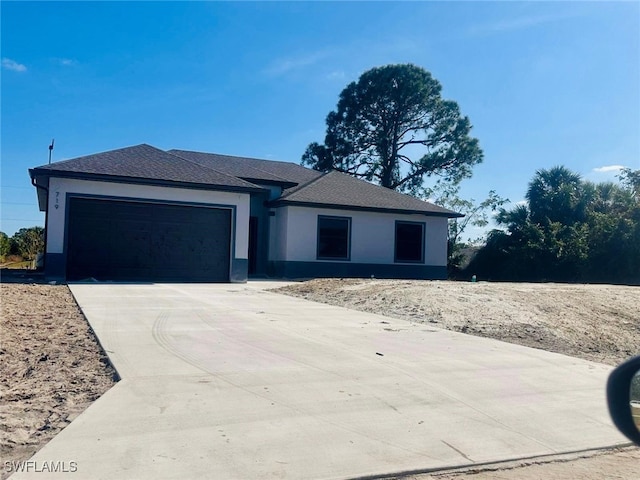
<point>144,162</point>
<point>336,189</point>
<point>147,164</point>
<point>255,169</point>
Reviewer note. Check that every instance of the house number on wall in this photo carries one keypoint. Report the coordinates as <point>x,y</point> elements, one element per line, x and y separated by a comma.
<point>57,205</point>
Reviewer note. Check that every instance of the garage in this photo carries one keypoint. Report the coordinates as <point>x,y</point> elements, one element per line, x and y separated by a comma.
<point>118,240</point>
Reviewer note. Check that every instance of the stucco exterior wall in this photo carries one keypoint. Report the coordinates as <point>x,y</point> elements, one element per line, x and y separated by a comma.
<point>372,235</point>
<point>59,187</point>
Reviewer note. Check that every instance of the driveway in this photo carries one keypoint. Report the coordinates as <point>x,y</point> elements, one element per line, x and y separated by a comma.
<point>232,381</point>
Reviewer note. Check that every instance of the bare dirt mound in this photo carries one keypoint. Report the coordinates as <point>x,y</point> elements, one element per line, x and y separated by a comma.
<point>52,367</point>
<point>594,322</point>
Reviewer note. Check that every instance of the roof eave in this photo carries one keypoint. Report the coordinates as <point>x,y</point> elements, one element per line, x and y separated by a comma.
<point>286,203</point>
<point>142,181</point>
<point>41,183</point>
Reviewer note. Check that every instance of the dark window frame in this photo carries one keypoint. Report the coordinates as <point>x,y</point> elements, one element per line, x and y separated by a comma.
<point>423,242</point>
<point>347,258</point>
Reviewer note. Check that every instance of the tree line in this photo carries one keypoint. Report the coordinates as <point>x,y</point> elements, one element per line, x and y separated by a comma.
<point>393,128</point>
<point>25,243</point>
<point>569,230</point>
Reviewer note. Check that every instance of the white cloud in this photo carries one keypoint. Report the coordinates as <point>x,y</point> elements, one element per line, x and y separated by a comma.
<point>523,203</point>
<point>336,75</point>
<point>520,23</point>
<point>608,168</point>
<point>66,62</point>
<point>13,65</point>
<point>285,65</point>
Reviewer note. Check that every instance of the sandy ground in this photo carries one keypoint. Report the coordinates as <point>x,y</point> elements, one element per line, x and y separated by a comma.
<point>600,323</point>
<point>53,368</point>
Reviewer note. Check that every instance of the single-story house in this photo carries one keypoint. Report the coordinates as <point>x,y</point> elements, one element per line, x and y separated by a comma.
<point>144,214</point>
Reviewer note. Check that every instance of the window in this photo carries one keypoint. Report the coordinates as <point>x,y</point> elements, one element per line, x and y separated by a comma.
<point>334,238</point>
<point>409,242</point>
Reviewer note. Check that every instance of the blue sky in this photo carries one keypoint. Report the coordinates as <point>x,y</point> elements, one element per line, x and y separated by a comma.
<point>543,83</point>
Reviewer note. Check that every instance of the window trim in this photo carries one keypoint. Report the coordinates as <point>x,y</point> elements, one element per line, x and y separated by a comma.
<point>333,217</point>
<point>395,242</point>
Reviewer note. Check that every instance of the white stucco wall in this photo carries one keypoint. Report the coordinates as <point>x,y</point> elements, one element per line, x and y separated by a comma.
<point>59,187</point>
<point>372,235</point>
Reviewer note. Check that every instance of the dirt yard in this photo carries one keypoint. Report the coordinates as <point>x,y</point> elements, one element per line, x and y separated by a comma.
<point>52,367</point>
<point>600,323</point>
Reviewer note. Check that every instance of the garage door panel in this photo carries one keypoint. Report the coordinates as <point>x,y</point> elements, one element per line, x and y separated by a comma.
<point>86,246</point>
<point>131,246</point>
<point>168,236</point>
<point>135,241</point>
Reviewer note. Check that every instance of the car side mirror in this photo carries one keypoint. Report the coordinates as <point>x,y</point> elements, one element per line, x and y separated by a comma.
<point>623,398</point>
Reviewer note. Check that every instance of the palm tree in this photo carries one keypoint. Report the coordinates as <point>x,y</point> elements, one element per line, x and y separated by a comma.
<point>555,195</point>
<point>514,219</point>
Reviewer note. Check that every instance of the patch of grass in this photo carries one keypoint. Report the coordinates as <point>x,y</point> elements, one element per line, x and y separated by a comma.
<point>22,265</point>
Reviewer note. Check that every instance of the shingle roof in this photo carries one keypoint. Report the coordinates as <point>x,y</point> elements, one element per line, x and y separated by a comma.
<point>337,189</point>
<point>252,168</point>
<point>305,186</point>
<point>144,162</point>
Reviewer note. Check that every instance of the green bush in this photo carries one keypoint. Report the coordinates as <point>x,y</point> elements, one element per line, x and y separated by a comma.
<point>570,230</point>
<point>28,242</point>
<point>5,246</point>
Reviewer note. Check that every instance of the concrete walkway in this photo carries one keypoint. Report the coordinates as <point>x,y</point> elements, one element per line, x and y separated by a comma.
<point>235,382</point>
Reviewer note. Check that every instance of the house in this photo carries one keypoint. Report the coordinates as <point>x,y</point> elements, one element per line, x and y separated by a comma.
<point>143,214</point>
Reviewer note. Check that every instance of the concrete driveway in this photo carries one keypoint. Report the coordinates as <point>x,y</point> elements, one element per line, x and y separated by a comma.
<point>232,381</point>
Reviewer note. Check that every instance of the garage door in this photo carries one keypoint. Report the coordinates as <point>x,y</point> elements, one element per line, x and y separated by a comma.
<point>132,241</point>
